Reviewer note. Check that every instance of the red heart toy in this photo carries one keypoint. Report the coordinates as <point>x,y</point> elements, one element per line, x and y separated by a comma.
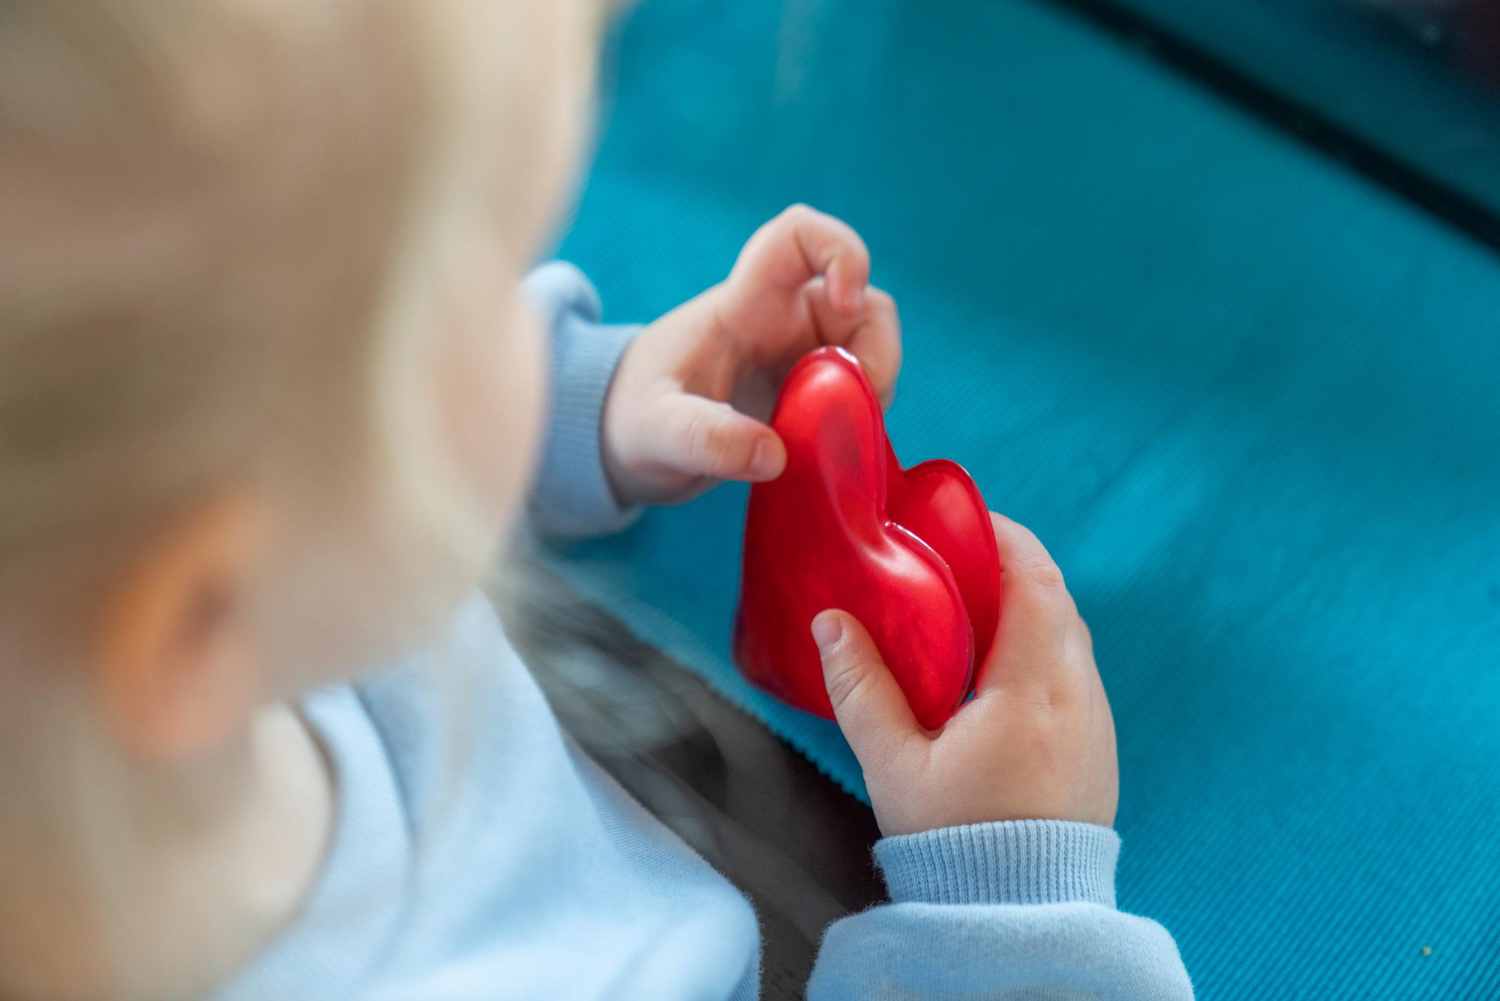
<point>910,553</point>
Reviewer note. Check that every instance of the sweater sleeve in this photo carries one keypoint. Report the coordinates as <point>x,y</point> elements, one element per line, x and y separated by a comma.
<point>572,495</point>
<point>1020,909</point>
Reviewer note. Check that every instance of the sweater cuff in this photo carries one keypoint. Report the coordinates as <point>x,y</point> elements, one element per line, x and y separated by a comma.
<point>1009,862</point>
<point>572,495</point>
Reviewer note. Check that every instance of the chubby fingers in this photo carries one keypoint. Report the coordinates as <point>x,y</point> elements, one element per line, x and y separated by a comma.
<point>801,244</point>
<point>1039,624</point>
<point>870,707</point>
<point>872,334</point>
<point>696,436</point>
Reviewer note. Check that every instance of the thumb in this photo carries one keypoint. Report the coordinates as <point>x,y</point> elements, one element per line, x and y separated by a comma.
<point>870,707</point>
<point>703,437</point>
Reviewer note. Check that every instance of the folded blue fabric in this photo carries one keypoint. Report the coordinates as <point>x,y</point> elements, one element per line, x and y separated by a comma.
<point>1250,402</point>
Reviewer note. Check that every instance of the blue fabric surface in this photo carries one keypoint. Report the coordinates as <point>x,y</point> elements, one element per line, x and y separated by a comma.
<point>1371,67</point>
<point>1251,403</point>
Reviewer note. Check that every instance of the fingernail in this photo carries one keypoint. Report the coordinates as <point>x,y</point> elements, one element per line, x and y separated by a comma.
<point>827,630</point>
<point>856,298</point>
<point>763,460</point>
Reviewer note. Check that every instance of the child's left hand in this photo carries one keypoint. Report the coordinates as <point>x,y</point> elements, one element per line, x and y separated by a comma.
<point>689,399</point>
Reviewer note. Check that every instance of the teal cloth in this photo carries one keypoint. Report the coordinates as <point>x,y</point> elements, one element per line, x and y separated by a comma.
<point>1250,402</point>
<point>1353,62</point>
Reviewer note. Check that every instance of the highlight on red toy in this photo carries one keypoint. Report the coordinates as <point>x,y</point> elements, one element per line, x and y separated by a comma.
<point>910,553</point>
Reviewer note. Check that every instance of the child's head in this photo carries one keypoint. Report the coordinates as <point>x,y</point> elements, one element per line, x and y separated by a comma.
<point>267,388</point>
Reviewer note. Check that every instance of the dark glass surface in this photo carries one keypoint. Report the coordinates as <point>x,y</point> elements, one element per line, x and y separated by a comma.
<point>1407,90</point>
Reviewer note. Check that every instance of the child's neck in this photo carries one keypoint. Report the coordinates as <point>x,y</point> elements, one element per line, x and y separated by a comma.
<point>203,866</point>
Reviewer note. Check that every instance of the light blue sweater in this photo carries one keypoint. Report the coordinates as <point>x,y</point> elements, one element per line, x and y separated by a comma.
<point>478,853</point>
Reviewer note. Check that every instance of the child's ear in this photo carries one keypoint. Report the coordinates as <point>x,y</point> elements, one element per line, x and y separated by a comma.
<point>176,671</point>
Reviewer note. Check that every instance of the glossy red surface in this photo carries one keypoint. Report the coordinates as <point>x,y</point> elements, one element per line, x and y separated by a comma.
<point>909,552</point>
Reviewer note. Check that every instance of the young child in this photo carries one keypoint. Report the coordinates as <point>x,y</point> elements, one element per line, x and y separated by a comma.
<point>271,396</point>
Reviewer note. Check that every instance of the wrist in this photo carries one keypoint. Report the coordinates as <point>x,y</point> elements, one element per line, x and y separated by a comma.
<point>609,460</point>
<point>1003,862</point>
<point>616,474</point>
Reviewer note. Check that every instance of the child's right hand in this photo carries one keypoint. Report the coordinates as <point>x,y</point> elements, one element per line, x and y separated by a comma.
<point>688,403</point>
<point>1037,740</point>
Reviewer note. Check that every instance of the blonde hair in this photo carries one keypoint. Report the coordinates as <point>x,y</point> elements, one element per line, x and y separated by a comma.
<point>220,226</point>
<point>224,230</point>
